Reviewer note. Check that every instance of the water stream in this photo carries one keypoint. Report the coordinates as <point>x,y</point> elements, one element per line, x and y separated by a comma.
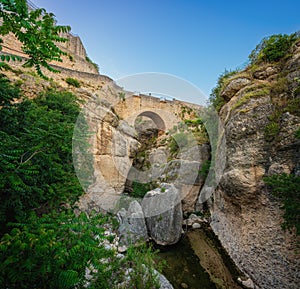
<point>195,263</point>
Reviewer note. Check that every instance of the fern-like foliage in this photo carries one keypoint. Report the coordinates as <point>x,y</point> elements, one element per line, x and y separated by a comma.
<point>42,244</point>
<point>51,251</point>
<point>36,169</point>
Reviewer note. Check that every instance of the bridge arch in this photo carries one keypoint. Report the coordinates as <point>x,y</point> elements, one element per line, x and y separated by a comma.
<point>165,114</point>
<point>156,118</point>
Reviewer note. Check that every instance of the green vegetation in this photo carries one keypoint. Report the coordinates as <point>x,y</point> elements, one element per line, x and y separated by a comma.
<point>279,86</point>
<point>71,57</point>
<point>54,251</point>
<point>36,30</point>
<point>44,252</point>
<point>73,82</point>
<point>271,130</point>
<point>93,63</point>
<point>273,127</point>
<point>287,189</point>
<point>293,106</point>
<point>205,169</point>
<point>252,92</point>
<point>297,133</point>
<point>273,48</point>
<point>216,100</point>
<point>179,141</point>
<point>5,66</point>
<point>140,276</point>
<point>186,134</point>
<point>43,244</point>
<point>139,190</point>
<point>186,111</point>
<point>36,169</point>
<point>122,96</point>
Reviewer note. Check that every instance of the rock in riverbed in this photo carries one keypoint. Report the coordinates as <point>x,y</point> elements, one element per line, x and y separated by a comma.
<point>163,213</point>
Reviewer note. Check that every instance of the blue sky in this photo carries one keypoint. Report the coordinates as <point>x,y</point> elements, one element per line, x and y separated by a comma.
<point>194,40</point>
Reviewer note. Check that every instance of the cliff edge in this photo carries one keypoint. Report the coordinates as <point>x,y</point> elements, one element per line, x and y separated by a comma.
<point>261,115</point>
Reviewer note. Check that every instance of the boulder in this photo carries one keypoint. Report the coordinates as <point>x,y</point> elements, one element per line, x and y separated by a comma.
<point>265,72</point>
<point>163,213</point>
<point>196,226</point>
<point>132,228</point>
<point>248,283</point>
<point>234,86</point>
<point>194,220</point>
<point>183,172</point>
<point>158,156</point>
<point>277,169</point>
<point>125,128</point>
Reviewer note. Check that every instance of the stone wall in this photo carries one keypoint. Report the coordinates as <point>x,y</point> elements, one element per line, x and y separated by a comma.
<point>74,45</point>
<point>74,60</point>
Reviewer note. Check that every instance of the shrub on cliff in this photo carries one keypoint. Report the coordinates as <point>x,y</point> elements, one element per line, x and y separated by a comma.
<point>139,190</point>
<point>287,189</point>
<point>273,48</point>
<point>215,98</point>
<point>73,82</point>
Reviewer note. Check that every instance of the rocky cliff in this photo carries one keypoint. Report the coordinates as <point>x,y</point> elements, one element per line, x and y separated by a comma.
<point>260,118</point>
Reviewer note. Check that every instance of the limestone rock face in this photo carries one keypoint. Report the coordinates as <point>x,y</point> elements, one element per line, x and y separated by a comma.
<point>234,86</point>
<point>113,146</point>
<point>265,72</point>
<point>132,228</point>
<point>245,216</point>
<point>163,213</point>
<point>182,172</point>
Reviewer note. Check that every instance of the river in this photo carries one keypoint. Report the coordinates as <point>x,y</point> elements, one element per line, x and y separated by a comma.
<point>196,262</point>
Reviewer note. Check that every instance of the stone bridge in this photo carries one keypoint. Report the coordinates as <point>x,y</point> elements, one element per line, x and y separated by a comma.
<point>164,113</point>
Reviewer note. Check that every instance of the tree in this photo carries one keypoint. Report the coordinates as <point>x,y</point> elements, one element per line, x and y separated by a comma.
<point>36,168</point>
<point>36,30</point>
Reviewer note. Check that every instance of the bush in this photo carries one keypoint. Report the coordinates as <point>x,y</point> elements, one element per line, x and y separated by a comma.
<point>54,251</point>
<point>215,99</point>
<point>36,170</point>
<point>273,127</point>
<point>72,81</point>
<point>139,190</point>
<point>287,189</point>
<point>293,106</point>
<point>143,276</point>
<point>93,63</point>
<point>273,48</point>
<point>43,245</point>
